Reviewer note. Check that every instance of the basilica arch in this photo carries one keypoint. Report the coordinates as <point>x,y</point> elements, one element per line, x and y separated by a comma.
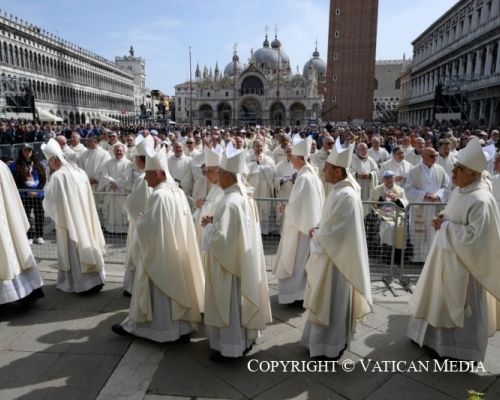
<point>224,111</point>
<point>252,85</point>
<point>250,111</point>
<point>205,115</point>
<point>277,114</point>
<point>297,114</point>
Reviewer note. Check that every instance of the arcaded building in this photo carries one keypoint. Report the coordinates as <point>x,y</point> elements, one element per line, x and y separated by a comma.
<point>455,69</point>
<point>351,60</point>
<point>66,80</point>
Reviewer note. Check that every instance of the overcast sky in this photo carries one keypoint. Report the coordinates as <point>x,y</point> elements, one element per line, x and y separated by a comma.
<point>161,31</point>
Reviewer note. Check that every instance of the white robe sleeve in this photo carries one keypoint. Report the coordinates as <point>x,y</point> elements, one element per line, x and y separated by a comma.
<point>413,194</point>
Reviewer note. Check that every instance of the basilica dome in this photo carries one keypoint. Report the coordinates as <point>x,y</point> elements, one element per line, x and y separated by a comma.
<point>317,63</point>
<point>268,56</point>
<point>229,70</point>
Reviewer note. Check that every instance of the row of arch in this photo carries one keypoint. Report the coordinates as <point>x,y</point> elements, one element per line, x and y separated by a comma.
<point>459,71</point>
<point>31,60</point>
<point>250,110</point>
<point>77,117</point>
<point>66,95</point>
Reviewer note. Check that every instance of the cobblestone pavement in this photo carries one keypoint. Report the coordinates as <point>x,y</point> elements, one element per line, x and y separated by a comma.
<point>64,349</point>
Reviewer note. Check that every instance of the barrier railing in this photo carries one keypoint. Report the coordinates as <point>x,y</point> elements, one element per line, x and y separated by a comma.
<point>398,240</point>
<point>418,238</point>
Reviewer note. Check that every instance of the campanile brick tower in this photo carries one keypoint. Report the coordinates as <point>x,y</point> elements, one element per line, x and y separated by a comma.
<point>352,42</point>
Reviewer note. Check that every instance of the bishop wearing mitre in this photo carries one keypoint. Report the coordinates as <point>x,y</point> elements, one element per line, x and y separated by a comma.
<point>168,292</point>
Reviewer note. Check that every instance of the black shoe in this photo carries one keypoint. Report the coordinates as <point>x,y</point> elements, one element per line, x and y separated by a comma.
<point>28,301</point>
<point>126,293</point>
<point>118,329</point>
<point>218,357</point>
<point>184,338</point>
<point>297,304</point>
<point>248,350</point>
<point>95,289</point>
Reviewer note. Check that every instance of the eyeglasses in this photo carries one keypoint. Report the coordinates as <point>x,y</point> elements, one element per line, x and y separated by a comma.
<point>329,143</point>
<point>432,156</point>
<point>190,142</point>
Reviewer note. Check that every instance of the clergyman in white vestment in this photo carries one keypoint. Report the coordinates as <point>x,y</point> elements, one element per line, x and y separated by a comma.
<point>237,303</point>
<point>283,183</point>
<point>92,162</point>
<point>455,305</point>
<point>209,204</point>
<point>80,242</point>
<point>425,183</point>
<point>116,179</point>
<point>338,292</point>
<point>301,212</point>
<point>260,175</point>
<point>168,292</point>
<point>135,204</point>
<point>20,279</point>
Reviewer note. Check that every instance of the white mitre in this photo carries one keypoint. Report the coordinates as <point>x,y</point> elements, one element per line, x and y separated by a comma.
<point>339,156</point>
<point>52,149</point>
<point>142,143</point>
<point>212,156</point>
<point>155,161</point>
<point>474,156</point>
<point>301,147</point>
<point>233,160</point>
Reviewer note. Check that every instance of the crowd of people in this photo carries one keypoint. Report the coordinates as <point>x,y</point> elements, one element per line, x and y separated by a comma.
<point>180,265</point>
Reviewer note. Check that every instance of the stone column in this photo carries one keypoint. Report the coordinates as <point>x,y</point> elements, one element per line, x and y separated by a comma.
<point>462,61</point>
<point>477,71</point>
<point>497,66</point>
<point>482,106</point>
<point>472,111</point>
<point>469,70</point>
<point>493,106</point>
<point>489,59</point>
<point>494,8</point>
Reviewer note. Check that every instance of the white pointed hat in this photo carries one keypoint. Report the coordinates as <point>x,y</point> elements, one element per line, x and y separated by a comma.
<point>156,161</point>
<point>233,160</point>
<point>52,149</point>
<point>473,156</point>
<point>212,156</point>
<point>141,143</point>
<point>301,147</point>
<point>341,157</point>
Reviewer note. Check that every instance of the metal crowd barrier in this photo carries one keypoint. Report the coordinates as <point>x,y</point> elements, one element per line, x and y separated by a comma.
<point>419,235</point>
<point>398,240</point>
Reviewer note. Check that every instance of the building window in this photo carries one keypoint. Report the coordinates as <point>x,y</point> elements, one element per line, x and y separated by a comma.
<point>376,84</point>
<point>208,94</point>
<point>334,77</point>
<point>337,11</point>
<point>337,34</point>
<point>227,94</point>
<point>334,99</point>
<point>397,85</point>
<point>335,56</point>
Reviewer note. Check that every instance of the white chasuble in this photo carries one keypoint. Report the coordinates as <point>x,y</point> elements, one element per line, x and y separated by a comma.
<point>234,249</point>
<point>168,257</point>
<point>339,245</point>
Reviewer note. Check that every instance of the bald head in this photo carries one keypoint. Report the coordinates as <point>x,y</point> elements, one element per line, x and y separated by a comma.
<point>362,150</point>
<point>429,156</point>
<point>61,139</point>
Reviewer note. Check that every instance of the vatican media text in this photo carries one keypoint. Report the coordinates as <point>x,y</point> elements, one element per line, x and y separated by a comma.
<point>366,365</point>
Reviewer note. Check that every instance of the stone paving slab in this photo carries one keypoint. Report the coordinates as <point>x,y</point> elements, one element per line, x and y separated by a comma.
<point>65,349</point>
